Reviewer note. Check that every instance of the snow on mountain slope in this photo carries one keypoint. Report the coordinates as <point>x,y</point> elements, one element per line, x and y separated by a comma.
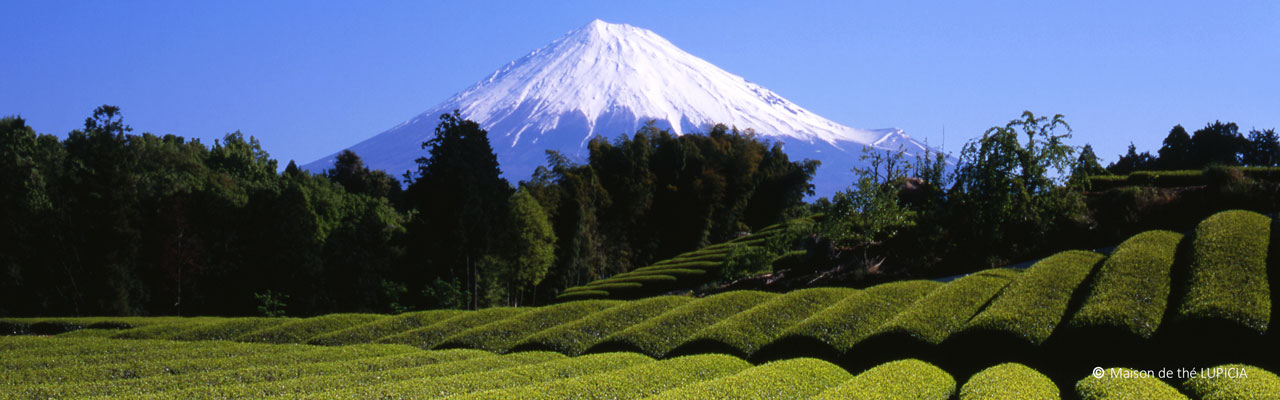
<point>608,80</point>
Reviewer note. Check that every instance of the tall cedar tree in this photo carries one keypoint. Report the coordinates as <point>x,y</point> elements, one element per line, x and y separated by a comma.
<point>1175,153</point>
<point>460,199</point>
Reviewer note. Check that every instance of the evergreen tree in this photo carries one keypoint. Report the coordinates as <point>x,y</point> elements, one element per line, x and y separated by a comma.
<point>460,199</point>
<point>1217,144</point>
<point>1087,164</point>
<point>1132,161</point>
<point>1175,153</point>
<point>1263,149</point>
<point>350,172</point>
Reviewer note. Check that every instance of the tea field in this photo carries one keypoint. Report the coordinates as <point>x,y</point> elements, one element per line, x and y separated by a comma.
<point>1078,324</point>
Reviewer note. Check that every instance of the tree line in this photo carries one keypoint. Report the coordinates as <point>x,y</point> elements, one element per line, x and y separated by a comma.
<point>1217,143</point>
<point>108,222</point>
<point>1019,192</point>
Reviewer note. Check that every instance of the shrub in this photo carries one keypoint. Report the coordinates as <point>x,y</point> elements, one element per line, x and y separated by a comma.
<point>575,337</point>
<point>659,335</point>
<point>634,382</point>
<point>615,286</point>
<point>582,294</point>
<point>1132,286</point>
<point>903,379</point>
<point>496,377</point>
<point>1009,381</point>
<point>367,333</point>
<point>182,362</point>
<point>848,322</point>
<point>255,379</point>
<point>499,336</point>
<point>787,379</point>
<point>748,331</point>
<point>299,331</point>
<point>1228,271</point>
<point>227,329</point>
<point>169,330</point>
<point>431,335</point>
<point>1034,303</point>
<point>945,311</point>
<point>1254,383</point>
<point>1124,383</point>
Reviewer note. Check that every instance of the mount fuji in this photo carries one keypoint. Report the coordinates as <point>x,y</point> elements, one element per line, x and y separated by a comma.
<point>607,79</point>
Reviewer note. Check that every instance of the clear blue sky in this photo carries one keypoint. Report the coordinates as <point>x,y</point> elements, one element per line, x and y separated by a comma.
<point>309,78</point>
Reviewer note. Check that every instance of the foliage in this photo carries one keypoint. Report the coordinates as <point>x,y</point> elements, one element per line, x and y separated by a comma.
<point>1036,301</point>
<point>576,337</point>
<point>903,379</point>
<point>848,322</point>
<point>1227,278</point>
<point>299,331</point>
<point>377,329</point>
<point>786,379</point>
<point>1007,192</point>
<point>946,310</point>
<point>431,335</point>
<point>748,331</point>
<point>1009,381</point>
<point>271,304</point>
<point>658,336</point>
<point>1124,383</point>
<point>500,336</point>
<point>1247,382</point>
<point>1133,285</point>
<point>633,382</point>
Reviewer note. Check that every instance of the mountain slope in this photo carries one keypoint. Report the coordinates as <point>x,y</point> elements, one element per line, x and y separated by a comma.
<point>609,79</point>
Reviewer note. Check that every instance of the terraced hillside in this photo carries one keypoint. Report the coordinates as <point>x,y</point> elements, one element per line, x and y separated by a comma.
<point>83,368</point>
<point>1159,300</point>
<point>684,271</point>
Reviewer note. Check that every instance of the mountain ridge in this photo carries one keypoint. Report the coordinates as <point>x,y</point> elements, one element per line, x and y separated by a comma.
<point>607,79</point>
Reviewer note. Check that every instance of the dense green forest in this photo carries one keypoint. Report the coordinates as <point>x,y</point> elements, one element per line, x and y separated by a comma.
<point>108,222</point>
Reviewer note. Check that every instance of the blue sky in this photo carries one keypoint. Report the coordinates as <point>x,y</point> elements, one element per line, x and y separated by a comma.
<point>310,78</point>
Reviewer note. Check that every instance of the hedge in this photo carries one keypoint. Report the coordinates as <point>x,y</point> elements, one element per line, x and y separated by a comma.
<point>903,379</point>
<point>431,335</point>
<point>256,379</point>
<point>848,322</point>
<point>1132,288</point>
<point>1009,381</point>
<point>300,331</point>
<point>169,330</point>
<point>1216,384</point>
<point>635,382</point>
<point>787,379</point>
<point>228,329</point>
<point>369,332</point>
<point>471,380</point>
<point>753,328</point>
<point>945,311</point>
<point>659,335</point>
<point>576,337</point>
<point>180,363</point>
<point>1034,303</point>
<point>1124,383</point>
<point>1227,279</point>
<point>582,294</point>
<point>499,336</point>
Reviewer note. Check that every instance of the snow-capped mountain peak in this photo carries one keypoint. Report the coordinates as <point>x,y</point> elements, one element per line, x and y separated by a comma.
<point>609,79</point>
